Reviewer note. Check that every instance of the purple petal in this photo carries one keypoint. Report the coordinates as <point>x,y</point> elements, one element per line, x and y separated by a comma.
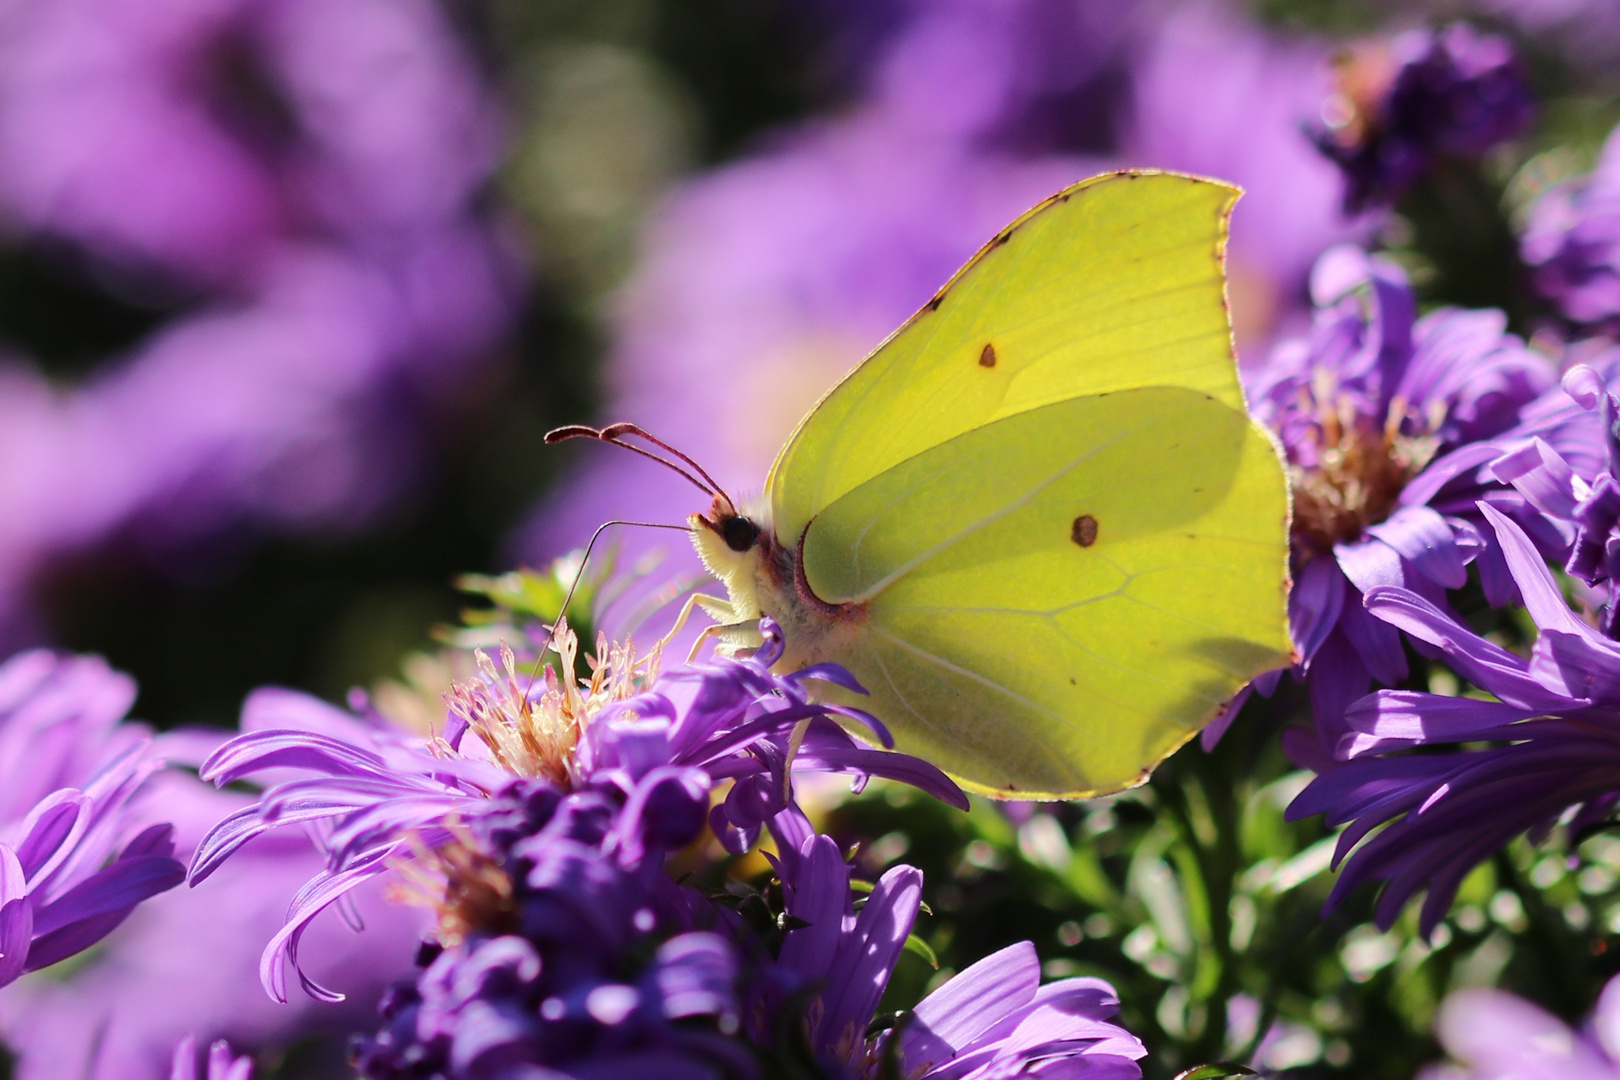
<point>50,831</point>
<point>1369,564</point>
<point>16,934</point>
<point>1541,595</point>
<point>1585,385</point>
<point>237,828</point>
<point>836,674</point>
<point>888,764</point>
<point>318,894</point>
<point>820,897</point>
<point>861,970</point>
<point>247,754</point>
<point>960,1011</point>
<point>93,909</point>
<point>1315,603</point>
<point>117,888</point>
<point>1542,477</point>
<point>1378,645</point>
<point>1481,662</point>
<point>1394,718</point>
<point>1426,486</point>
<point>1582,667</point>
<point>1423,538</point>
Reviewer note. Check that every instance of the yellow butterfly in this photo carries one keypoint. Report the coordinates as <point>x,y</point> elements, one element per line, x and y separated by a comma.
<point>1036,524</point>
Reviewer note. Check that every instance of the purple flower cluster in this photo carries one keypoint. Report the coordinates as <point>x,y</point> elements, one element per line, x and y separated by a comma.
<point>1552,717</point>
<point>70,872</point>
<point>553,949</point>
<point>994,1019</point>
<point>537,826</point>
<point>1400,105</point>
<point>1553,720</point>
<point>1572,243</point>
<point>310,206</point>
<point>1387,422</point>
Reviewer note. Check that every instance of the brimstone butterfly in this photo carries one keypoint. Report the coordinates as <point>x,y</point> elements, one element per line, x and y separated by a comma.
<point>1036,524</point>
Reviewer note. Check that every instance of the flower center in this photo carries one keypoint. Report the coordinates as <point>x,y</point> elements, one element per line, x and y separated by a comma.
<point>531,726</point>
<point>1358,474</point>
<point>467,890</point>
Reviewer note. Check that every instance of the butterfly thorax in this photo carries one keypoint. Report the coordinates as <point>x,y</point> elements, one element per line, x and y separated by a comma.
<point>765,577</point>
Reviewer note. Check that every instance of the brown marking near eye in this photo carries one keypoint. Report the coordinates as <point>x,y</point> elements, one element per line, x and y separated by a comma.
<point>1084,530</point>
<point>987,355</point>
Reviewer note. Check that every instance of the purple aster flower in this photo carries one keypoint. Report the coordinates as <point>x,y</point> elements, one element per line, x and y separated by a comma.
<point>1385,420</point>
<point>222,1064</point>
<point>71,866</point>
<point>636,750</point>
<point>321,230</point>
<point>993,1019</point>
<point>1555,719</point>
<point>1403,104</point>
<point>187,961</point>
<point>553,952</point>
<point>1491,1033</point>
<point>1572,243</point>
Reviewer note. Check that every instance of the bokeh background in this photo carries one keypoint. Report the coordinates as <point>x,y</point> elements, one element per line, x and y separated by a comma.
<point>290,291</point>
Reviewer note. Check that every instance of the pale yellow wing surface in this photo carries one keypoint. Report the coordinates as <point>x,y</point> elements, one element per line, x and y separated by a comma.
<point>1113,283</point>
<point>1055,601</point>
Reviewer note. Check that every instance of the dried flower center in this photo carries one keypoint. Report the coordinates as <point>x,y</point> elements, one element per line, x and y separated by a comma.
<point>530,725</point>
<point>1359,472</point>
<point>467,890</point>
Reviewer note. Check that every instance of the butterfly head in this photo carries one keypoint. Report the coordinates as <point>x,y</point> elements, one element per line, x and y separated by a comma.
<point>738,546</point>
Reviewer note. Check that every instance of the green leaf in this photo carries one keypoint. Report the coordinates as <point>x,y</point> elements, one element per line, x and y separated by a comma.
<point>919,947</point>
<point>1216,1071</point>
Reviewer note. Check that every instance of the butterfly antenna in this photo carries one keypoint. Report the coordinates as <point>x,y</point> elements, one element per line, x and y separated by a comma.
<point>579,575</point>
<point>614,435</point>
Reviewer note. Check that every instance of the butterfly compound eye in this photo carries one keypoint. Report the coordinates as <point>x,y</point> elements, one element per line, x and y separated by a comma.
<point>739,533</point>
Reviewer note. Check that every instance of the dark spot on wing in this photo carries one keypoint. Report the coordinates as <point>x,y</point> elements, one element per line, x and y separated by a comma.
<point>1084,530</point>
<point>933,305</point>
<point>1072,682</point>
<point>1002,239</point>
<point>987,355</point>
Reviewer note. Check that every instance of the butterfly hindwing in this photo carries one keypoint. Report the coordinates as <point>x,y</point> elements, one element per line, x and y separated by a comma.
<point>1054,601</point>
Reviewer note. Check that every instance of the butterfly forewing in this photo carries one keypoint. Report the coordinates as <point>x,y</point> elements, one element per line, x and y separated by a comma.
<point>1113,283</point>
